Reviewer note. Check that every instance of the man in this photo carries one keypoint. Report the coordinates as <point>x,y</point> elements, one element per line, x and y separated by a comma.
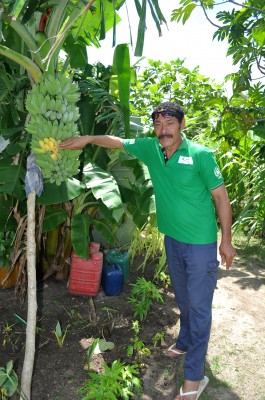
<point>185,179</point>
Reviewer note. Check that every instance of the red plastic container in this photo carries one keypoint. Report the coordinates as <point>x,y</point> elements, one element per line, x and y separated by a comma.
<point>85,275</point>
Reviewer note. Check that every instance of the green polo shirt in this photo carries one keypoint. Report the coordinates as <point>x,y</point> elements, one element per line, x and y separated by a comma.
<point>184,206</point>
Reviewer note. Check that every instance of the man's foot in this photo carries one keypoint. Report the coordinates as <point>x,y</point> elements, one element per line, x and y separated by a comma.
<point>191,390</point>
<point>188,391</point>
<point>173,352</point>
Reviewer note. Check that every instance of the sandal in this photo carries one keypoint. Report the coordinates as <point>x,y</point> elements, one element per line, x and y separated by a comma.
<point>203,383</point>
<point>174,350</point>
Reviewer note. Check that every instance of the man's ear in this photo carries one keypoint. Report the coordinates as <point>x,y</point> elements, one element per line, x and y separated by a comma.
<point>183,124</point>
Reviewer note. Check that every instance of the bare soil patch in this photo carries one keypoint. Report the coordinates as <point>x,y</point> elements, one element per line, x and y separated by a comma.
<point>235,361</point>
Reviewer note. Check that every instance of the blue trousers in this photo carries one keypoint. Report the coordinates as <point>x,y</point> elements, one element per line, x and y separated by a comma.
<point>193,270</point>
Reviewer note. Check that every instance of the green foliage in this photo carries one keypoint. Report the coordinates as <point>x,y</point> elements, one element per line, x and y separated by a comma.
<point>8,380</point>
<point>137,348</point>
<point>253,250</point>
<point>158,338</point>
<point>118,381</point>
<point>60,334</point>
<point>243,170</point>
<point>243,27</point>
<point>143,295</point>
<point>149,242</point>
<point>6,246</point>
<point>122,73</point>
<point>173,81</point>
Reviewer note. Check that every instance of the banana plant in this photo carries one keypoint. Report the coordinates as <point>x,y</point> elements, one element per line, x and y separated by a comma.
<point>36,51</point>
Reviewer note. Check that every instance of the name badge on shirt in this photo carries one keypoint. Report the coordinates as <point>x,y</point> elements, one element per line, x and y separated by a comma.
<point>185,160</point>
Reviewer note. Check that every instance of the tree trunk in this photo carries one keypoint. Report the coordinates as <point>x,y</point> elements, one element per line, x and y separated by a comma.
<point>32,301</point>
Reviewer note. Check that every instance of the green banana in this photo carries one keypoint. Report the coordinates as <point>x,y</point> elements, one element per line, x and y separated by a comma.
<point>51,104</point>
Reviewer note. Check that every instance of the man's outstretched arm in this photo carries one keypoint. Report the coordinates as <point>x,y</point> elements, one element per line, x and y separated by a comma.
<point>79,142</point>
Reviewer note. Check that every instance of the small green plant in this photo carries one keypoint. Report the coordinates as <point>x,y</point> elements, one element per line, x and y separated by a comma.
<point>158,338</point>
<point>8,381</point>
<point>143,294</point>
<point>7,331</point>
<point>167,373</point>
<point>119,381</point>
<point>215,364</point>
<point>137,347</point>
<point>60,334</point>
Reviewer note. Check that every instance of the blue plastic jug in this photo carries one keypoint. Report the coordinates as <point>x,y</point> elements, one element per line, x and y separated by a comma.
<point>112,279</point>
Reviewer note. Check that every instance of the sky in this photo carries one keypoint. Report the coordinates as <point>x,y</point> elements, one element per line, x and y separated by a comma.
<point>191,42</point>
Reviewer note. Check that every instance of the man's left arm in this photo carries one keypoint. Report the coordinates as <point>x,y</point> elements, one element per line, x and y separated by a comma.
<point>224,212</point>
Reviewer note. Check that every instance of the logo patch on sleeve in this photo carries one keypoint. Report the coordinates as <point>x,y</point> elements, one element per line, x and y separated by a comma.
<point>217,172</point>
<point>185,160</point>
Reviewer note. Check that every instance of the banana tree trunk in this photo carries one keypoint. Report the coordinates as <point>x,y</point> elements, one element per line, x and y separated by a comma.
<point>27,371</point>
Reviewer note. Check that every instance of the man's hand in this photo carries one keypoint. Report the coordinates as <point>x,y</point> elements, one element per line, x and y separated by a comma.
<point>75,143</point>
<point>227,253</point>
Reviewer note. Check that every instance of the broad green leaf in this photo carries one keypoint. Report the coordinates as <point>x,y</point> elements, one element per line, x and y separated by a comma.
<point>53,217</point>
<point>103,345</point>
<point>122,69</point>
<point>103,227</point>
<point>53,194</point>
<point>88,26</point>
<point>88,114</point>
<point>259,36</point>
<point>11,177</point>
<point>77,51</point>
<point>3,376</point>
<point>7,220</point>
<point>80,226</point>
<point>259,130</point>
<point>8,379</point>
<point>9,367</point>
<point>103,186</point>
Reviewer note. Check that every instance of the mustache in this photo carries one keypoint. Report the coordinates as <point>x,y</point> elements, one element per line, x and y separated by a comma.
<point>165,135</point>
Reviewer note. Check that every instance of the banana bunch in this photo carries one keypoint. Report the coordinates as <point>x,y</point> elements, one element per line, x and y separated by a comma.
<point>52,105</point>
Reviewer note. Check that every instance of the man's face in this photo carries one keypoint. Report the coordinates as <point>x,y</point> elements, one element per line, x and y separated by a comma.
<point>168,129</point>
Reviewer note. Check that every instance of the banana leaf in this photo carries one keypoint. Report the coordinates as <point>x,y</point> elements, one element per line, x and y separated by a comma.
<point>80,234</point>
<point>53,218</point>
<point>11,180</point>
<point>122,70</point>
<point>106,231</point>
<point>7,220</point>
<point>104,188</point>
<point>53,194</point>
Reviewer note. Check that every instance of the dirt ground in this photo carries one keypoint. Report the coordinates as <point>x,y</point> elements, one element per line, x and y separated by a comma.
<point>236,357</point>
